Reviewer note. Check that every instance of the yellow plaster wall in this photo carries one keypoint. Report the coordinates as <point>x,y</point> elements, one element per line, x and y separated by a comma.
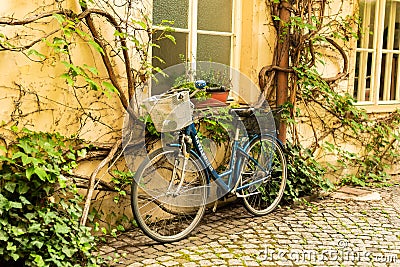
<point>258,39</point>
<point>23,82</point>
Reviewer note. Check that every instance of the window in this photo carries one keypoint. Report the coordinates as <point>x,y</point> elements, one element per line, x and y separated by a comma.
<point>204,31</point>
<point>377,72</point>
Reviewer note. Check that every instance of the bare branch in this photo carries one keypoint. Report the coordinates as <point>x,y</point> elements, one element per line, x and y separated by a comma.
<point>345,62</point>
<point>92,181</point>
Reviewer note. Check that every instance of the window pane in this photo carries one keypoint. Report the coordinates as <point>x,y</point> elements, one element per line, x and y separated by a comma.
<point>367,13</point>
<point>363,71</point>
<point>392,26</point>
<point>214,48</point>
<point>172,10</point>
<point>168,51</point>
<point>389,76</point>
<point>215,15</point>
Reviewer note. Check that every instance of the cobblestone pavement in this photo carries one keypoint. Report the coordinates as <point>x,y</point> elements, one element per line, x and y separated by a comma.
<point>326,232</point>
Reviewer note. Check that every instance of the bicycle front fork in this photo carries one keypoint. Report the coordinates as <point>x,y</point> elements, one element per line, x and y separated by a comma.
<point>185,146</point>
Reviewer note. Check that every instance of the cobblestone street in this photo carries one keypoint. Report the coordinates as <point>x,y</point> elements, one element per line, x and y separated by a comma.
<point>325,232</point>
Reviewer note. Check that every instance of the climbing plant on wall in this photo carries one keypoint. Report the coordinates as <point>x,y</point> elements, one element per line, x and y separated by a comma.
<point>310,34</point>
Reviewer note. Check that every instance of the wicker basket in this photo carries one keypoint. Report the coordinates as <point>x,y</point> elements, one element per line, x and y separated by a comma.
<point>170,112</point>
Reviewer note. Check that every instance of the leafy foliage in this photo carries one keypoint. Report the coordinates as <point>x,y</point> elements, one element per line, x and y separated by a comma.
<point>39,208</point>
<point>364,146</point>
<point>376,138</point>
<point>305,174</point>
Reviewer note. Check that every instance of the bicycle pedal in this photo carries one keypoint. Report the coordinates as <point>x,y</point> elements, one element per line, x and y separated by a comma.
<point>214,209</point>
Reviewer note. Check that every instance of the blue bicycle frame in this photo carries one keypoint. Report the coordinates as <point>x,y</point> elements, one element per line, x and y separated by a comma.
<point>233,172</point>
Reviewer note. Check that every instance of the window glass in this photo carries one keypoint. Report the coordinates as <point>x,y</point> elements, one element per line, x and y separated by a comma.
<point>367,11</point>
<point>214,48</point>
<point>392,25</point>
<point>390,53</point>
<point>214,19</point>
<point>172,10</point>
<point>215,15</point>
<point>168,51</point>
<point>377,72</point>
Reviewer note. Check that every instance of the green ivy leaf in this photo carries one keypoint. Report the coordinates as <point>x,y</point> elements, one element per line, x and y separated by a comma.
<point>170,37</point>
<point>15,205</point>
<point>10,187</point>
<point>96,46</point>
<point>91,69</point>
<point>68,78</point>
<point>41,174</point>
<point>82,153</point>
<point>61,228</point>
<point>36,53</point>
<point>62,181</point>
<point>110,87</point>
<point>24,200</point>
<point>3,236</point>
<point>69,251</point>
<point>60,18</point>
<point>93,85</point>
<point>34,227</point>
<point>38,244</point>
<point>11,246</point>
<point>38,260</point>
<point>140,23</point>
<point>14,129</point>
<point>28,172</point>
<point>17,231</point>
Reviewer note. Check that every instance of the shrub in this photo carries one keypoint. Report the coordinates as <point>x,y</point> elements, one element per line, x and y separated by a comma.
<point>36,230</point>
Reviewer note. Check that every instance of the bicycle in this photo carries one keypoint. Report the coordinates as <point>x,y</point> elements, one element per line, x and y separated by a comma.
<point>174,184</point>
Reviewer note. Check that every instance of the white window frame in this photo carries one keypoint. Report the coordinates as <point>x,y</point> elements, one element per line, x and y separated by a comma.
<point>193,30</point>
<point>377,50</point>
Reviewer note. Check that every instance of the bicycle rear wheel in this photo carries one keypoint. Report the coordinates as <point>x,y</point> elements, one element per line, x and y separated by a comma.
<point>163,213</point>
<point>263,175</point>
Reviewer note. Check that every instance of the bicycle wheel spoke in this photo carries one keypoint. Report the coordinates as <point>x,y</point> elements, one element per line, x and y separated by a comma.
<point>263,176</point>
<point>163,212</point>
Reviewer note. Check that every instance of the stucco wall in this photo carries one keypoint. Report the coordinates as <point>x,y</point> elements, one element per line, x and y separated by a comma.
<point>34,95</point>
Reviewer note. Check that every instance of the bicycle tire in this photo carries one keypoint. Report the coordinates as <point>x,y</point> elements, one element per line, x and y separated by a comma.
<point>262,197</point>
<point>162,216</point>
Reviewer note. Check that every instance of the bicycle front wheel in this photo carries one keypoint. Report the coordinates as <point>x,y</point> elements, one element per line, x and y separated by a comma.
<point>167,206</point>
<point>263,175</point>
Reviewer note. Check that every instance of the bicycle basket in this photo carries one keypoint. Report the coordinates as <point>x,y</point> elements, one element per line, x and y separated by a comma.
<point>171,111</point>
<point>266,122</point>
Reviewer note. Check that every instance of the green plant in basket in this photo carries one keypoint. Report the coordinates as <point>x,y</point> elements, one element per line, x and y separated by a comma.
<point>200,95</point>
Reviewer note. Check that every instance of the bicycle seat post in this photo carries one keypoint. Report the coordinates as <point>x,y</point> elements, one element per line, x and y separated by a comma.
<point>237,129</point>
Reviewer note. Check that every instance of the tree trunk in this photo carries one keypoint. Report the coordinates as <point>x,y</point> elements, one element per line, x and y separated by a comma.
<point>282,89</point>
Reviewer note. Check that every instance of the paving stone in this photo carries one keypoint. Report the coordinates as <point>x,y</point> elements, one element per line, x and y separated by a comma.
<point>218,261</point>
<point>196,257</point>
<point>205,263</point>
<point>164,258</point>
<point>209,256</point>
<point>170,263</point>
<point>149,261</point>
